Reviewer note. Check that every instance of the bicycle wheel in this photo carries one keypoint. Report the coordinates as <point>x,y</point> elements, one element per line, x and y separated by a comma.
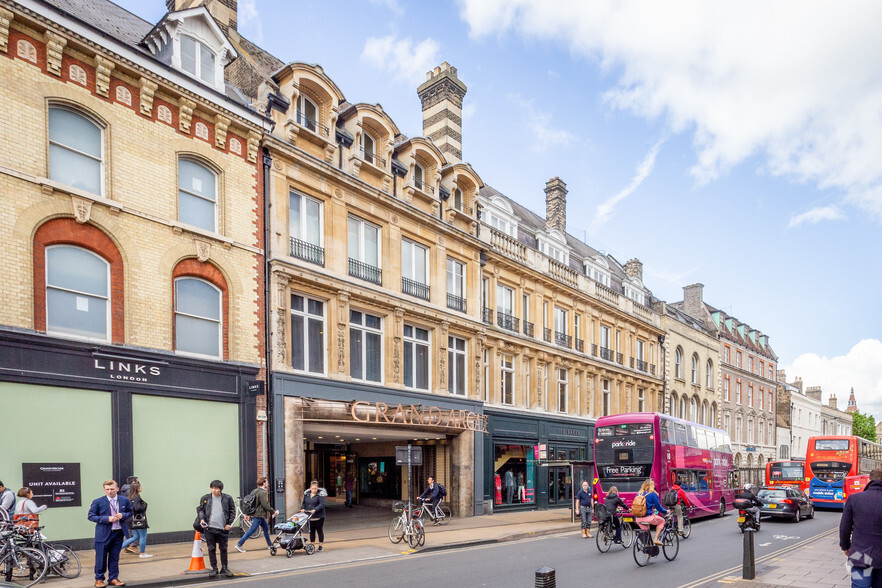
<point>641,551</point>
<point>604,539</point>
<point>30,568</point>
<point>413,535</point>
<point>627,535</point>
<point>687,528</point>
<point>396,530</point>
<point>445,516</point>
<point>421,535</point>
<point>63,561</point>
<point>243,524</point>
<point>671,544</point>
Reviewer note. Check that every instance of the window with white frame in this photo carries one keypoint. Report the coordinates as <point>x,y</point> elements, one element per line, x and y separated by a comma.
<point>307,113</point>
<point>604,337</point>
<point>305,224</point>
<point>771,401</point>
<point>693,410</point>
<point>737,391</point>
<point>640,350</point>
<point>683,413</point>
<point>554,252</point>
<point>678,363</point>
<point>363,240</point>
<point>501,224</point>
<point>750,431</point>
<point>750,395</point>
<point>197,195</point>
<point>368,147</point>
<point>726,389</point>
<point>577,326</point>
<point>458,201</point>
<point>695,370</point>
<point>709,375</point>
<point>456,284</point>
<point>762,432</point>
<point>414,262</point>
<point>506,380</point>
<point>560,320</point>
<point>504,301</point>
<point>727,423</point>
<point>197,317</point>
<point>456,365</point>
<point>738,359</point>
<point>726,354</point>
<point>525,308</point>
<point>606,397</point>
<point>750,363</point>
<point>416,357</point>
<point>76,150</point>
<point>486,375</point>
<point>197,60</point>
<point>738,429</point>
<point>365,346</point>
<point>418,176</point>
<point>562,384</point>
<point>307,334</point>
<point>77,293</point>
<point>637,296</point>
<point>641,400</point>
<point>713,415</point>
<point>703,420</point>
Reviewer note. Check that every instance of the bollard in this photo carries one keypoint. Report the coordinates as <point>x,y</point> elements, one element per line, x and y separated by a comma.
<point>748,565</point>
<point>545,578</point>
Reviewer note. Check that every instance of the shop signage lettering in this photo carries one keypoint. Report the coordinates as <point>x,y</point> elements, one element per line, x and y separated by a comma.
<point>628,443</point>
<point>574,432</point>
<point>624,471</point>
<point>432,416</point>
<point>127,370</point>
<point>53,484</point>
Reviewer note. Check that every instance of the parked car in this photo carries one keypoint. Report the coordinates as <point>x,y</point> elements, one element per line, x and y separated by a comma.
<point>787,502</point>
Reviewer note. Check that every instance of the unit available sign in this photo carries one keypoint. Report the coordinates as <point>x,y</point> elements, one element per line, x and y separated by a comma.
<point>53,484</point>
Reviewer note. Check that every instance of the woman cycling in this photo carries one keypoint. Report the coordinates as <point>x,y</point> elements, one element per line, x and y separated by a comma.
<point>653,507</point>
<point>612,502</point>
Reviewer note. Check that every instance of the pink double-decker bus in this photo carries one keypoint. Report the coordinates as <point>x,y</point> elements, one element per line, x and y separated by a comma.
<point>629,448</point>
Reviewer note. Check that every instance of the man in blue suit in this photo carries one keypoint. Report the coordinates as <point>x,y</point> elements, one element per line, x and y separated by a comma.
<point>109,514</point>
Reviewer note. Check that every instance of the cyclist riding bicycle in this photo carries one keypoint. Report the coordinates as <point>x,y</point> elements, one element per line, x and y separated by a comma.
<point>611,502</point>
<point>432,495</point>
<point>653,507</point>
<point>682,501</point>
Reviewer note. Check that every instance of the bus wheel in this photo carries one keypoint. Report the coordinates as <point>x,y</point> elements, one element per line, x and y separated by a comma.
<point>722,507</point>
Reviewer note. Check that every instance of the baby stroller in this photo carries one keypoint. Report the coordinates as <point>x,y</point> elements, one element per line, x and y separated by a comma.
<point>290,535</point>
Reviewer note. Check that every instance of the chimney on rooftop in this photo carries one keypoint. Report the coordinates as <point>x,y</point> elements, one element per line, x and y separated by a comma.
<point>442,94</point>
<point>556,205</point>
<point>634,268</point>
<point>693,299</point>
<point>832,402</point>
<point>225,12</point>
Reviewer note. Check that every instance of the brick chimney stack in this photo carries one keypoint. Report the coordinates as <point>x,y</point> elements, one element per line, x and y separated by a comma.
<point>693,300</point>
<point>441,95</point>
<point>634,269</point>
<point>832,402</point>
<point>556,205</point>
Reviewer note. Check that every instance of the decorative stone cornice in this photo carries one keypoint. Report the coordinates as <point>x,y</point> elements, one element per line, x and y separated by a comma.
<point>253,144</point>
<point>54,50</point>
<point>148,88</point>
<point>6,17</point>
<point>185,114</point>
<point>221,124</point>
<point>103,67</point>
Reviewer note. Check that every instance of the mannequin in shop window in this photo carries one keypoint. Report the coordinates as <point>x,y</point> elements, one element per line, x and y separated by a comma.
<point>522,490</point>
<point>509,486</point>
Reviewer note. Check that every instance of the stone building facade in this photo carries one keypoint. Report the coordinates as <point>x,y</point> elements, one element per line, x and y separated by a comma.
<point>833,420</point>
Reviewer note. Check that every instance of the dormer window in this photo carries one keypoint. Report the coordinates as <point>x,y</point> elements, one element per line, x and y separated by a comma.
<point>457,199</point>
<point>597,273</point>
<point>197,60</point>
<point>418,176</point>
<point>307,113</point>
<point>367,147</point>
<point>500,224</point>
<point>555,253</point>
<point>635,295</point>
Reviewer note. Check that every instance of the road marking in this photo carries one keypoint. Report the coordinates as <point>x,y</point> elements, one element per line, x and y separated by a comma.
<point>784,537</point>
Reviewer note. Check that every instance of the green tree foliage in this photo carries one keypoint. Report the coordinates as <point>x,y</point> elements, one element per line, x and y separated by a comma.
<point>864,426</point>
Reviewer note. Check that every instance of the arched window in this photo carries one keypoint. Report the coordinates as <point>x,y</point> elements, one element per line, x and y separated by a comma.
<point>678,364</point>
<point>683,413</point>
<point>418,176</point>
<point>703,420</point>
<point>673,406</point>
<point>695,369</point>
<point>76,150</point>
<point>77,293</point>
<point>307,113</point>
<point>709,375</point>
<point>713,415</point>
<point>197,195</point>
<point>457,199</point>
<point>693,410</point>
<point>368,148</point>
<point>198,313</point>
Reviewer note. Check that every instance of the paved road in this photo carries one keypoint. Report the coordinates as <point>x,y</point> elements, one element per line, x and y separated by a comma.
<point>715,546</point>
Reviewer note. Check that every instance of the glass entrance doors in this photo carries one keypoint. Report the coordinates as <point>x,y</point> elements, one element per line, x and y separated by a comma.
<point>560,485</point>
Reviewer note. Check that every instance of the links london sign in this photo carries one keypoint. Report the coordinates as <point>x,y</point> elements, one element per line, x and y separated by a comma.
<point>409,414</point>
<point>126,370</point>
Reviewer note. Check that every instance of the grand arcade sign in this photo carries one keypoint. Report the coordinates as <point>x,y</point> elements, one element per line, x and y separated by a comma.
<point>409,414</point>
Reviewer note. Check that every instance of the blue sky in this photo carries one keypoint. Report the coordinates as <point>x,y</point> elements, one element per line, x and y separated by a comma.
<point>737,145</point>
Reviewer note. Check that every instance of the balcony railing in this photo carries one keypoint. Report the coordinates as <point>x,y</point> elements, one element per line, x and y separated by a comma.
<point>642,365</point>
<point>363,271</point>
<point>487,315</point>
<point>421,185</point>
<point>620,359</point>
<point>652,369</point>
<point>594,349</point>
<point>307,251</point>
<point>528,329</point>
<point>414,288</point>
<point>371,157</point>
<point>456,302</point>
<point>508,322</point>
<point>606,354</point>
<point>563,339</point>
<point>312,124</point>
<point>580,346</point>
<point>547,335</point>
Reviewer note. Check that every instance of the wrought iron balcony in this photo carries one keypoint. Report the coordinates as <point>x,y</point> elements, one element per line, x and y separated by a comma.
<point>421,185</point>
<point>620,359</point>
<point>563,339</point>
<point>528,329</point>
<point>312,124</point>
<point>456,302</point>
<point>547,336</point>
<point>652,369</point>
<point>641,365</point>
<point>363,271</point>
<point>307,252</point>
<point>508,322</point>
<point>371,157</point>
<point>414,288</point>
<point>594,349</point>
<point>580,346</point>
<point>606,354</point>
<point>487,315</point>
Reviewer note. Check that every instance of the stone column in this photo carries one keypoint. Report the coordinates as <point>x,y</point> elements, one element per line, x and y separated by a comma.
<point>341,351</point>
<point>295,483</point>
<point>462,469</point>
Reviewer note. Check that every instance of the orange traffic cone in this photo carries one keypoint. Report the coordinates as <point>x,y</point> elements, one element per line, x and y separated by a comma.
<point>197,560</point>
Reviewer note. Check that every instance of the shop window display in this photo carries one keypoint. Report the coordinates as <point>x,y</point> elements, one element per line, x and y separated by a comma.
<point>514,477</point>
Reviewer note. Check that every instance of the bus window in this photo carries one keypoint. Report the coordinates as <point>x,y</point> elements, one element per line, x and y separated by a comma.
<point>733,479</point>
<point>703,480</point>
<point>686,479</point>
<point>831,444</point>
<point>690,430</point>
<point>666,429</point>
<point>680,430</point>
<point>727,443</point>
<point>717,442</point>
<point>701,438</point>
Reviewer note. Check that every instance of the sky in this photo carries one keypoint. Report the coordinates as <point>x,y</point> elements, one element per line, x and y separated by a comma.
<point>735,144</point>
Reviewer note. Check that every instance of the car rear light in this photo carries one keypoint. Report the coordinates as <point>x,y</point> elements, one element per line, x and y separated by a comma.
<point>786,501</point>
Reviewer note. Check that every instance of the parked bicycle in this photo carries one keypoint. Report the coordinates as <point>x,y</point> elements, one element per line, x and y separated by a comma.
<point>645,548</point>
<point>62,559</point>
<point>241,517</point>
<point>20,565</point>
<point>407,525</point>
<point>606,529</point>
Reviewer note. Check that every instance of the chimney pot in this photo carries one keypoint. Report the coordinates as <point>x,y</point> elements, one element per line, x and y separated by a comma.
<point>556,204</point>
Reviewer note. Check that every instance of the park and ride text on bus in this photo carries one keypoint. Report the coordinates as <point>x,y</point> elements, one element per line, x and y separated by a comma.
<point>833,458</point>
<point>787,473</point>
<point>630,448</point>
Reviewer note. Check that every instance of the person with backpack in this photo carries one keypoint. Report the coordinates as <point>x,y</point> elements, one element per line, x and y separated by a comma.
<point>612,502</point>
<point>7,502</point>
<point>257,507</point>
<point>676,498</point>
<point>646,508</point>
<point>433,495</point>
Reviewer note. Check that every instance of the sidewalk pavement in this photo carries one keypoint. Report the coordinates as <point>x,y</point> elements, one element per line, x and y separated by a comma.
<point>814,563</point>
<point>341,546</point>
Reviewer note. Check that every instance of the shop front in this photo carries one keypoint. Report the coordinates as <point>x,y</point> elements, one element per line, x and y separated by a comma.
<point>345,436</point>
<point>534,460</point>
<point>77,414</point>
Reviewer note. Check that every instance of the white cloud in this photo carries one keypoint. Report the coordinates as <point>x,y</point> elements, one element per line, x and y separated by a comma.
<point>249,21</point>
<point>816,215</point>
<point>404,59</point>
<point>860,368</point>
<point>797,83</point>
<point>606,208</point>
<point>538,122</point>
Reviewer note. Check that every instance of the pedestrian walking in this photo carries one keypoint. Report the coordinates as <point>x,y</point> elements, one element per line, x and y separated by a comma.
<point>109,514</point>
<point>7,502</point>
<point>585,501</point>
<point>138,523</point>
<point>860,533</point>
<point>349,486</point>
<point>263,511</point>
<point>216,512</point>
<point>314,504</point>
<point>27,513</point>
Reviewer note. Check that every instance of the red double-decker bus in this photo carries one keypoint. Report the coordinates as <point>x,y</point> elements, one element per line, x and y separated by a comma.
<point>786,473</point>
<point>629,448</point>
<point>833,458</point>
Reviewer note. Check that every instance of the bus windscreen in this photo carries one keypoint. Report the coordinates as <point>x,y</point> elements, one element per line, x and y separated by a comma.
<point>831,444</point>
<point>787,472</point>
<point>623,454</point>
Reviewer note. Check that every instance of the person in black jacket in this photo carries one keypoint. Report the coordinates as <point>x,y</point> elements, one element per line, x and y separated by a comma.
<point>137,523</point>
<point>748,494</point>
<point>611,502</point>
<point>314,504</point>
<point>432,495</point>
<point>860,533</point>
<point>216,512</point>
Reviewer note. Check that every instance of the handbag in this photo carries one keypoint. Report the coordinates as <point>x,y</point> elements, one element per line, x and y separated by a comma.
<point>139,521</point>
<point>30,521</point>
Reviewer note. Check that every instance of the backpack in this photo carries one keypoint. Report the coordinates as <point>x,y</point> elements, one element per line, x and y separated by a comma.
<point>672,498</point>
<point>638,507</point>
<point>249,504</point>
<point>442,491</point>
